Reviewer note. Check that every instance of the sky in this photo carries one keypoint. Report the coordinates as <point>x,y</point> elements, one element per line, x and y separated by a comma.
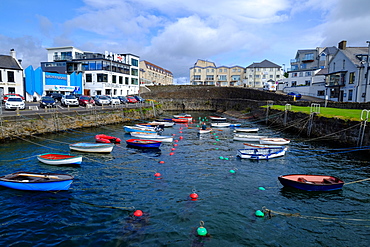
<point>174,34</point>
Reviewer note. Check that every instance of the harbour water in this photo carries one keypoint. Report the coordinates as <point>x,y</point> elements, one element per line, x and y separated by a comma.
<point>108,188</point>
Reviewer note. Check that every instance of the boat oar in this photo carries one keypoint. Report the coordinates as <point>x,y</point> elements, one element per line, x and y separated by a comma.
<point>38,175</point>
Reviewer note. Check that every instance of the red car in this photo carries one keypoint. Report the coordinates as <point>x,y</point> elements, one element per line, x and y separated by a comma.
<point>84,100</point>
<point>131,99</point>
<point>6,96</point>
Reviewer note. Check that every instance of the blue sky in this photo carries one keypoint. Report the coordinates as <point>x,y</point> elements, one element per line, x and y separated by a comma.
<point>174,34</point>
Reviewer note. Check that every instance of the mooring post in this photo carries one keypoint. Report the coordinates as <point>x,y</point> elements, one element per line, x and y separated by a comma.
<point>364,118</point>
<point>288,107</point>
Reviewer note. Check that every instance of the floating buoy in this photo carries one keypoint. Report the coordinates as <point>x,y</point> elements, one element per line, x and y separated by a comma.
<point>232,171</point>
<point>221,158</point>
<point>172,153</point>
<point>175,145</point>
<point>226,158</point>
<point>259,213</point>
<point>202,231</point>
<point>180,128</point>
<point>180,137</point>
<point>173,134</point>
<point>176,140</point>
<point>217,139</point>
<point>157,174</point>
<point>138,213</point>
<point>173,149</point>
<point>193,195</point>
<point>216,148</point>
<point>180,131</point>
<point>161,162</point>
<point>214,143</point>
<point>261,188</point>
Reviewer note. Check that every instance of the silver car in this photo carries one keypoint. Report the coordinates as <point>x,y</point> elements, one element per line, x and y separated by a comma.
<point>69,100</point>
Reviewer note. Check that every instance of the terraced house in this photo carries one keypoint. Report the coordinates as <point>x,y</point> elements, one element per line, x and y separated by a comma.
<point>11,74</point>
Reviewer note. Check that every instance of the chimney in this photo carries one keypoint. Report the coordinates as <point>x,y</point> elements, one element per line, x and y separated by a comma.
<point>12,53</point>
<point>342,45</point>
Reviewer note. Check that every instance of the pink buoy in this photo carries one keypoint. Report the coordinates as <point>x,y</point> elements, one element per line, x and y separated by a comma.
<point>176,140</point>
<point>173,134</point>
<point>138,213</point>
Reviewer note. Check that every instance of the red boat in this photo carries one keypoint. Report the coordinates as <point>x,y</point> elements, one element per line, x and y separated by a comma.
<point>180,120</point>
<point>107,139</point>
<point>311,182</point>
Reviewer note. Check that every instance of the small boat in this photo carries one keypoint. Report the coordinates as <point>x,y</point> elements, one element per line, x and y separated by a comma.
<point>216,118</point>
<point>311,182</point>
<point>154,137</point>
<point>36,181</point>
<point>248,138</point>
<point>203,131</point>
<point>59,159</point>
<point>139,129</point>
<point>134,133</point>
<point>101,138</point>
<point>140,143</point>
<point>182,115</point>
<point>246,129</point>
<point>161,123</point>
<point>235,125</point>
<point>274,141</point>
<point>90,147</point>
<point>220,125</point>
<point>180,120</point>
<point>261,153</point>
<point>250,145</point>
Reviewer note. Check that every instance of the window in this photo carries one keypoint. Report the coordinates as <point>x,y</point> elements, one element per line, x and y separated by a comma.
<point>344,64</point>
<point>271,76</point>
<point>307,83</point>
<point>10,76</point>
<point>225,70</point>
<point>197,77</point>
<point>222,77</point>
<point>294,74</point>
<point>209,78</point>
<point>350,94</point>
<point>11,90</point>
<point>199,70</point>
<point>134,62</point>
<point>351,78</point>
<point>0,76</point>
<point>92,65</point>
<point>134,72</point>
<point>220,70</point>
<point>102,77</point>
<point>294,83</point>
<point>308,73</point>
<point>114,79</point>
<point>88,77</point>
<point>126,80</point>
<point>120,80</point>
<point>321,93</point>
<point>300,74</point>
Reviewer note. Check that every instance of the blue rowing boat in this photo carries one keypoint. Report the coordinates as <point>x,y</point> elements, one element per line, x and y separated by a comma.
<point>36,181</point>
<point>140,143</point>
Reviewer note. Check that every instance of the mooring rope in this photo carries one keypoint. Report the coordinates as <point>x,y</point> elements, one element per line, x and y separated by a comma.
<point>270,213</point>
<point>358,181</point>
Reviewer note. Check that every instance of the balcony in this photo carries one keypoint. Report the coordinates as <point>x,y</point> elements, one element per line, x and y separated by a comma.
<point>336,80</point>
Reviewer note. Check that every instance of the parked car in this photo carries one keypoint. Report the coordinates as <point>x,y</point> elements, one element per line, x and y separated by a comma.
<point>109,98</point>
<point>56,96</point>
<point>14,102</point>
<point>297,95</point>
<point>139,99</point>
<point>70,100</point>
<point>123,99</point>
<point>131,99</point>
<point>115,100</point>
<point>47,101</point>
<point>6,96</point>
<point>101,100</point>
<point>85,100</point>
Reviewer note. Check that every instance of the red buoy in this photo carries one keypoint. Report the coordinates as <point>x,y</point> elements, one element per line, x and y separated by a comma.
<point>173,134</point>
<point>157,174</point>
<point>193,195</point>
<point>138,213</point>
<point>180,131</point>
<point>172,153</point>
<point>161,162</point>
<point>176,141</point>
<point>173,149</point>
<point>180,137</point>
<point>175,145</point>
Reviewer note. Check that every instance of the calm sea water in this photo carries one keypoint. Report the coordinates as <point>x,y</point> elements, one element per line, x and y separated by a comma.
<point>108,188</point>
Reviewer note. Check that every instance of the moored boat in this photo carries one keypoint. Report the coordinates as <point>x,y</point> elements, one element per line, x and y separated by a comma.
<point>101,138</point>
<point>180,120</point>
<point>90,147</point>
<point>141,143</point>
<point>246,129</point>
<point>247,138</point>
<point>274,141</point>
<point>182,115</point>
<point>203,131</point>
<point>216,118</point>
<point>154,137</point>
<point>261,153</point>
<point>139,129</point>
<point>311,182</point>
<point>162,123</point>
<point>220,125</point>
<point>36,181</point>
<point>59,159</point>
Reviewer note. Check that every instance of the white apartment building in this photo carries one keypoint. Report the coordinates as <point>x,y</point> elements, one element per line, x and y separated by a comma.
<point>257,74</point>
<point>104,73</point>
<point>11,74</point>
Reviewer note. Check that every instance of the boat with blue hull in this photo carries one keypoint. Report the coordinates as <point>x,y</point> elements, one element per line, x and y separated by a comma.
<point>261,153</point>
<point>140,143</point>
<point>36,181</point>
<point>129,129</point>
<point>91,147</point>
<point>311,182</point>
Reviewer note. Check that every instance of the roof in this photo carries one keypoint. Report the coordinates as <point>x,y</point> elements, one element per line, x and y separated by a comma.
<point>157,67</point>
<point>264,64</point>
<point>8,62</point>
<point>352,52</point>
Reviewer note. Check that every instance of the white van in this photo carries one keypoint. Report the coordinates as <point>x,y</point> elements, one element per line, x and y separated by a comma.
<point>269,86</point>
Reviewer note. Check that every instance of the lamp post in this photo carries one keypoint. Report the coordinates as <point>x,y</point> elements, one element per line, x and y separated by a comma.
<point>367,69</point>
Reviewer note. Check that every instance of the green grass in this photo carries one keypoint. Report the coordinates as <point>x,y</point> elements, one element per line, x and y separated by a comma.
<point>345,114</point>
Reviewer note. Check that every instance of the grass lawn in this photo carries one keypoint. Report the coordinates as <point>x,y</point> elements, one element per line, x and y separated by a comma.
<point>346,114</point>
